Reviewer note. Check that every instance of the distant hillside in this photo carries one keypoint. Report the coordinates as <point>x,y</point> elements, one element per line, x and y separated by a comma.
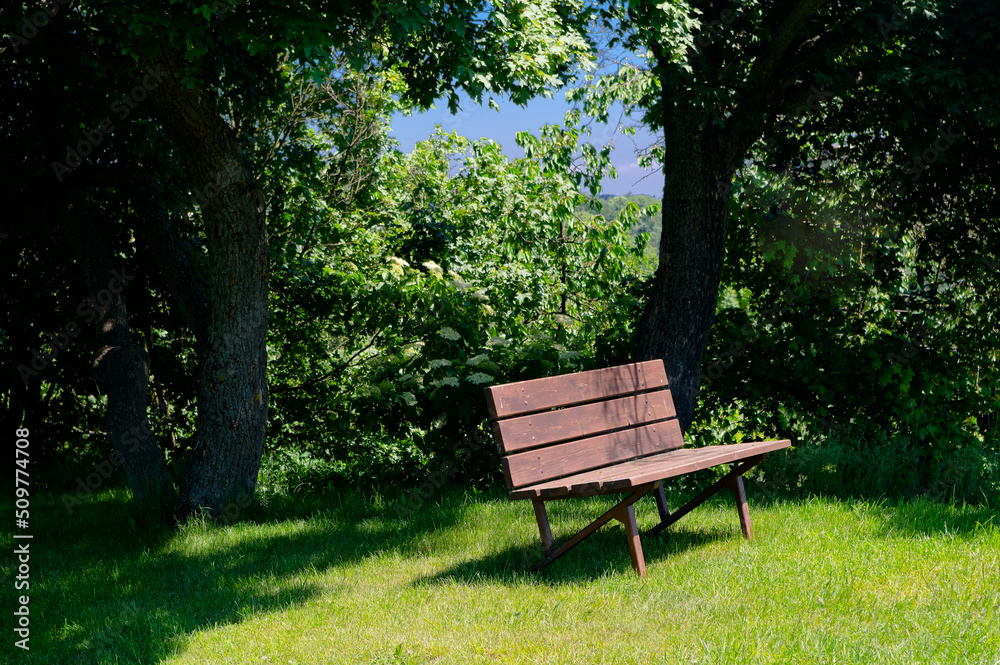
<point>651,224</point>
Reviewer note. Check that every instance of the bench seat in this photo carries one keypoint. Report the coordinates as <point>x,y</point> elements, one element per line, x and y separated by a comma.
<point>624,476</point>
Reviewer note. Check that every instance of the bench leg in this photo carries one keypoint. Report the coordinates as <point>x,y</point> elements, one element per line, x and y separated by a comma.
<point>623,512</point>
<point>736,485</point>
<point>725,482</point>
<point>661,502</point>
<point>543,525</point>
<point>626,515</point>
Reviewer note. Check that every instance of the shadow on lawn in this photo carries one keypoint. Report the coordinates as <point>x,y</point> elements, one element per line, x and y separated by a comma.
<point>111,593</point>
<point>924,518</point>
<point>604,552</point>
<point>105,592</point>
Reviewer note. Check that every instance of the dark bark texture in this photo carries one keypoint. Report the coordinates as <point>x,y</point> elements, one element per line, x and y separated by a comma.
<point>677,321</point>
<point>701,157</point>
<point>120,367</point>
<point>232,393</point>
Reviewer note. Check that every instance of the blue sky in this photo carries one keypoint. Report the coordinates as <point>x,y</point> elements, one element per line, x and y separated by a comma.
<point>474,121</point>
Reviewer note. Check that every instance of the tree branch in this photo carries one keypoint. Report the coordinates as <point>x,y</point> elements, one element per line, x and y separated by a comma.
<point>767,64</point>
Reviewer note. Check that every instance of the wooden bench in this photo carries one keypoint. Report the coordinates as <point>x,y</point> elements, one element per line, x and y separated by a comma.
<point>606,431</point>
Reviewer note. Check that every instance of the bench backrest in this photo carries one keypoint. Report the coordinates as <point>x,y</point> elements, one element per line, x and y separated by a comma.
<point>560,425</point>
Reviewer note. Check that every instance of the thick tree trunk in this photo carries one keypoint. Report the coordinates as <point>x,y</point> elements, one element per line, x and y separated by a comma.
<point>120,367</point>
<point>221,473</point>
<point>677,321</point>
<point>701,156</point>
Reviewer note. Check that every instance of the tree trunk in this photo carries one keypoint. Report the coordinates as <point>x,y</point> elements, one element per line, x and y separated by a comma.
<point>677,321</point>
<point>221,473</point>
<point>120,367</point>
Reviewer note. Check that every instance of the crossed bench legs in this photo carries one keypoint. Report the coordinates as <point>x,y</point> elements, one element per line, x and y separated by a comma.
<point>624,512</point>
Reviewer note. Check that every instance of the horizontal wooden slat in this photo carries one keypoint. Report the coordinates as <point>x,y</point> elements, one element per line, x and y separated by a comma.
<point>562,459</point>
<point>621,477</point>
<point>577,422</point>
<point>522,397</point>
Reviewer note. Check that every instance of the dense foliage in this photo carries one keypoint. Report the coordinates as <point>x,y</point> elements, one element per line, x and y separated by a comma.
<point>402,284</point>
<point>210,96</point>
<point>862,335</point>
<point>468,268</point>
<point>857,313</point>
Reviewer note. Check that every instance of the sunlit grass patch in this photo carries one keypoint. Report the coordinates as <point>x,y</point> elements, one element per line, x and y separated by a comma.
<point>343,579</point>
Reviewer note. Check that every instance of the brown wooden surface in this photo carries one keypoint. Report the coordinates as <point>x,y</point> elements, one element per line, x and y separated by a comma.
<point>623,476</point>
<point>514,399</point>
<point>577,422</point>
<point>627,517</point>
<point>725,481</point>
<point>542,517</point>
<point>637,493</point>
<point>736,484</point>
<point>541,464</point>
<point>661,502</point>
<point>614,430</point>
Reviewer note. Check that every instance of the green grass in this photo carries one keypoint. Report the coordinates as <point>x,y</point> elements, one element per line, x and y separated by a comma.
<point>344,580</point>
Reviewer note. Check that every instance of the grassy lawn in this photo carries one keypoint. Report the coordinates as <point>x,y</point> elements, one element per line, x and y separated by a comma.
<point>344,580</point>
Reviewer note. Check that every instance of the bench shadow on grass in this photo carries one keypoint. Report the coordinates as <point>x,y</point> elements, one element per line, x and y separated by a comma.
<point>606,551</point>
<point>135,596</point>
<point>603,553</point>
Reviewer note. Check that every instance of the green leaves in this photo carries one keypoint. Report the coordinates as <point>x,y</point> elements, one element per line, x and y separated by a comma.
<point>847,320</point>
<point>463,268</point>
